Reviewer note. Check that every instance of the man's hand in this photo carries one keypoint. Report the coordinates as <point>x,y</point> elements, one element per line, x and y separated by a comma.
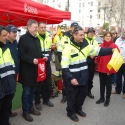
<point>74,82</point>
<point>113,49</point>
<point>92,57</point>
<point>35,61</point>
<point>45,58</point>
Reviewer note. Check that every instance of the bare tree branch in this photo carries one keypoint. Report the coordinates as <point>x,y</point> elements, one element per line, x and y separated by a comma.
<point>114,10</point>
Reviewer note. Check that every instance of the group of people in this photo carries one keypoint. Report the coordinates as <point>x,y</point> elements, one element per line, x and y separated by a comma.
<point>79,55</point>
<point>23,58</point>
<point>76,55</point>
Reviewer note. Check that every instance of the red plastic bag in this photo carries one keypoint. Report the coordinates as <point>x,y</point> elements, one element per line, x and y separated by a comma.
<point>41,70</point>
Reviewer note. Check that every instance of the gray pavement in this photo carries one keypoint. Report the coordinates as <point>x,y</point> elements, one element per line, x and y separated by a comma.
<point>97,114</point>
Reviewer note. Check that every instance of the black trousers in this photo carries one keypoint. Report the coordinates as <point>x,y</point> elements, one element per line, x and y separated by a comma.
<point>75,98</point>
<point>5,107</point>
<point>64,87</point>
<point>91,69</point>
<point>105,82</point>
<point>12,96</point>
<point>45,87</point>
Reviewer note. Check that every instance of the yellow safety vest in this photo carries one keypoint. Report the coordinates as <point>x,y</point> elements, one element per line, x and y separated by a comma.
<point>74,60</point>
<point>46,44</point>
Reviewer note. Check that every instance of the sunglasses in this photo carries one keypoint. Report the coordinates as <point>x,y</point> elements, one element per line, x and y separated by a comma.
<point>77,29</point>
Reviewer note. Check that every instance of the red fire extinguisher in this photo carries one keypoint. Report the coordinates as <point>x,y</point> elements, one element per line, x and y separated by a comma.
<point>60,83</point>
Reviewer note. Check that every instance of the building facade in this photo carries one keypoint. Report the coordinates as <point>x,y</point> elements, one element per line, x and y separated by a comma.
<point>88,13</point>
<point>84,11</point>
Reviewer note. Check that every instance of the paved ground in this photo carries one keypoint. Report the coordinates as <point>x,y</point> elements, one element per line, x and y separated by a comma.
<point>114,114</point>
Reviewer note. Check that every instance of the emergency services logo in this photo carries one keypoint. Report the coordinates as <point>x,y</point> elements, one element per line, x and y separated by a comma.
<point>42,67</point>
<point>30,9</point>
<point>72,51</point>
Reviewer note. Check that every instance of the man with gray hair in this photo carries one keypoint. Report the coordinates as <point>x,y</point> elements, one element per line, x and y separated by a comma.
<point>29,52</point>
<point>120,42</point>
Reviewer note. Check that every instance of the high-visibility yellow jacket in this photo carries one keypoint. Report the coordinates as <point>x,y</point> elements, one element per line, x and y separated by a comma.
<point>91,42</point>
<point>57,39</point>
<point>74,60</point>
<point>7,72</point>
<point>65,40</point>
<point>46,45</point>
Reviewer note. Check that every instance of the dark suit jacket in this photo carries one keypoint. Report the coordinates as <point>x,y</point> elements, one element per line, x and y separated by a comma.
<point>29,48</point>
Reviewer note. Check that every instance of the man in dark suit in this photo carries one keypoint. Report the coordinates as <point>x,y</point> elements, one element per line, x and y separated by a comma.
<point>29,52</point>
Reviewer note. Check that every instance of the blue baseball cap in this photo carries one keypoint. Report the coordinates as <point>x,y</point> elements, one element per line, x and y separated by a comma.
<point>74,24</point>
<point>12,28</point>
<point>91,29</point>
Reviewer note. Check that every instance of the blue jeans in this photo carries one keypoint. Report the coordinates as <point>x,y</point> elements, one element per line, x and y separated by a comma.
<point>27,98</point>
<point>119,86</point>
<point>114,78</point>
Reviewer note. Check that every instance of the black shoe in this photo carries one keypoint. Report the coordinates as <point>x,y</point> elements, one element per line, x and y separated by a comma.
<point>81,113</point>
<point>34,112</point>
<point>27,117</point>
<point>100,100</point>
<point>63,100</point>
<point>38,107</point>
<point>73,117</point>
<point>90,95</point>
<point>48,104</point>
<point>107,102</point>
<point>13,114</point>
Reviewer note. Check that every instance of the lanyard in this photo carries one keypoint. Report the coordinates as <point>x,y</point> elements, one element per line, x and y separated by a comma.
<point>78,49</point>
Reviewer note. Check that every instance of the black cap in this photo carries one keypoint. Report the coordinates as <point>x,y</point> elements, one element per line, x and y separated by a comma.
<point>75,24</point>
<point>91,29</point>
<point>10,28</point>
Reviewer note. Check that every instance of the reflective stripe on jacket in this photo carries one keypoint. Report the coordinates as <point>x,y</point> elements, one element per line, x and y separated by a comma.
<point>74,61</point>
<point>7,72</point>
<point>91,42</point>
<point>46,45</point>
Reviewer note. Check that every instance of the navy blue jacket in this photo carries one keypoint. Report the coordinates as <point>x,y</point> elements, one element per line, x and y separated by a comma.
<point>14,53</point>
<point>82,76</point>
<point>7,83</point>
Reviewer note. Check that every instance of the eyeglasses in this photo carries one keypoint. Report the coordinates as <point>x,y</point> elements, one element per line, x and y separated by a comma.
<point>77,29</point>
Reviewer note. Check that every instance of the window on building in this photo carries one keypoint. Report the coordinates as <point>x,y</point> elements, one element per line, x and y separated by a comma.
<point>82,17</point>
<point>91,10</point>
<point>82,23</point>
<point>98,9</point>
<point>99,3</point>
<point>82,4</point>
<point>79,4</point>
<point>53,0</point>
<point>98,16</point>
<point>59,5</point>
<point>79,17</point>
<point>79,11</point>
<point>91,3</point>
<point>90,16</point>
<point>90,22</point>
<point>47,1</point>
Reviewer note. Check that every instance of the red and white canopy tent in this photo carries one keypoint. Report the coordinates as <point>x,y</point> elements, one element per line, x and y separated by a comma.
<point>18,12</point>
